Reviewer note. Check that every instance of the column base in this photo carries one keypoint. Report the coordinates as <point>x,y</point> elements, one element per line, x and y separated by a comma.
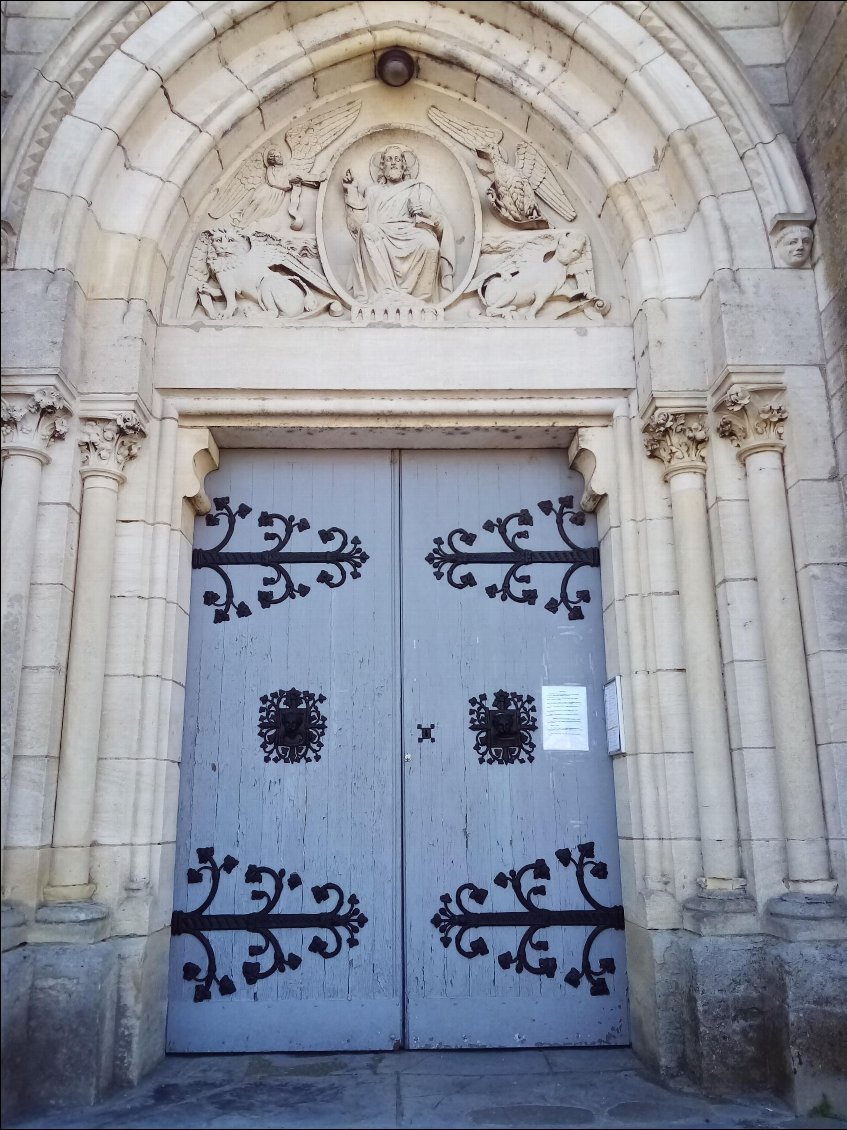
<point>800,917</point>
<point>76,892</point>
<point>70,922</point>
<point>12,927</point>
<point>813,886</point>
<point>658,910</point>
<point>718,911</point>
<point>717,883</point>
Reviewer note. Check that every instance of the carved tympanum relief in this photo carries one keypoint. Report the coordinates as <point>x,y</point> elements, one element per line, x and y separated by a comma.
<point>392,224</point>
<point>513,186</point>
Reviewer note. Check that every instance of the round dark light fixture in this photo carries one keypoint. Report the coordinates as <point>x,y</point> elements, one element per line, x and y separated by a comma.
<point>395,66</point>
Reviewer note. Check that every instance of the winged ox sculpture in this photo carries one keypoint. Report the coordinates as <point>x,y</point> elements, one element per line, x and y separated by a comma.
<point>260,186</point>
<point>514,185</point>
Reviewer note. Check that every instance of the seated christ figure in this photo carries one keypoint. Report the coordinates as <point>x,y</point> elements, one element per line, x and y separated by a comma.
<point>403,241</point>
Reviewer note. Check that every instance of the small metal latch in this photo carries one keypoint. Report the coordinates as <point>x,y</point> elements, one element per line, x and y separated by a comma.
<point>426,733</point>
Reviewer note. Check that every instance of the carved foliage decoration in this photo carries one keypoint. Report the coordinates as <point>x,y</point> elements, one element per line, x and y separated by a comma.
<point>676,437</point>
<point>752,419</point>
<point>36,420</point>
<point>109,443</point>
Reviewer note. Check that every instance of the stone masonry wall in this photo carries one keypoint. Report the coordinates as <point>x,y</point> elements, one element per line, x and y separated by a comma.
<point>795,53</point>
<point>816,72</point>
<point>29,32</point>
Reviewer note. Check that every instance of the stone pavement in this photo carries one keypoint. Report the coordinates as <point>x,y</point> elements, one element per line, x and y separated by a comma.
<point>561,1088</point>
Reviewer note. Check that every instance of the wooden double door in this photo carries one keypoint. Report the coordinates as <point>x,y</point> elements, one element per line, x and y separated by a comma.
<point>396,815</point>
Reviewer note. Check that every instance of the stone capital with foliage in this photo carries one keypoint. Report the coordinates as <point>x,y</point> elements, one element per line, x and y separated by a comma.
<point>752,420</point>
<point>33,420</point>
<point>109,443</point>
<point>677,439</point>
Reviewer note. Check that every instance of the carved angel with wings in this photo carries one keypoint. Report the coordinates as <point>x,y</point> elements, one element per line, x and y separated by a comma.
<point>514,187</point>
<point>260,186</point>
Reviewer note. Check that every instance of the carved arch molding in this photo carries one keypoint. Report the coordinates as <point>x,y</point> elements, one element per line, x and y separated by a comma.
<point>166,38</point>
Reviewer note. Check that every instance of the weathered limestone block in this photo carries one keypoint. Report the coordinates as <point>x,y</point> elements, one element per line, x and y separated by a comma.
<point>765,317</point>
<point>70,1023</point>
<point>52,302</point>
<point>815,993</point>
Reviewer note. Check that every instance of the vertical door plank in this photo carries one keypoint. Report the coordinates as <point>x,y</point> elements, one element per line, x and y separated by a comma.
<point>465,821</point>
<point>326,820</point>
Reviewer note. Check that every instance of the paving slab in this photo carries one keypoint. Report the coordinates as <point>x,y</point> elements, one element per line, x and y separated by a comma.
<point>596,1088</point>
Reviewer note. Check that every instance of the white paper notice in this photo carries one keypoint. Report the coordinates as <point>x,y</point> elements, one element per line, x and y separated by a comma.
<point>564,713</point>
<point>614,723</point>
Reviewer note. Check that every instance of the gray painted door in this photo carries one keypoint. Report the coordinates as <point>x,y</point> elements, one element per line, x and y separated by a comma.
<point>328,811</point>
<point>468,820</point>
<point>290,803</point>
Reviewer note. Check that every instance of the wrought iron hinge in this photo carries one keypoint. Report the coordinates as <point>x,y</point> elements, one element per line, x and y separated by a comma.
<point>446,561</point>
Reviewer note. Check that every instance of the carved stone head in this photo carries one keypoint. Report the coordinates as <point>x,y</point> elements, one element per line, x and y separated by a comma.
<point>794,245</point>
<point>225,243</point>
<point>570,246</point>
<point>395,164</point>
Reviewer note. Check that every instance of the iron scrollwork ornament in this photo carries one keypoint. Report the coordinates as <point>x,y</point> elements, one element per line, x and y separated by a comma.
<point>291,726</point>
<point>345,558</point>
<point>447,559</point>
<point>504,729</point>
<point>453,924</point>
<point>339,920</point>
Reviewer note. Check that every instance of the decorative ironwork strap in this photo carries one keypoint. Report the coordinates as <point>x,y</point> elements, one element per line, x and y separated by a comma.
<point>347,555</point>
<point>533,919</point>
<point>446,561</point>
<point>263,921</point>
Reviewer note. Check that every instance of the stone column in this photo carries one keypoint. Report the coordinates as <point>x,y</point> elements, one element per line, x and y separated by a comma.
<point>753,422</point>
<point>30,423</point>
<point>107,445</point>
<point>678,439</point>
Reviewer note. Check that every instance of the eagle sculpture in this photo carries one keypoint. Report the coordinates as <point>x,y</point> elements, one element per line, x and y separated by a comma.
<point>514,186</point>
<point>261,185</point>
